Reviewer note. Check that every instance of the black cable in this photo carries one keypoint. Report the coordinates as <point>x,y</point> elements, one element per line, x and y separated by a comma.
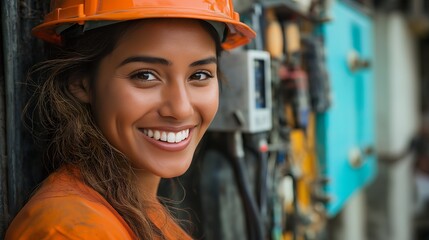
<point>255,226</point>
<point>253,217</point>
<point>262,186</point>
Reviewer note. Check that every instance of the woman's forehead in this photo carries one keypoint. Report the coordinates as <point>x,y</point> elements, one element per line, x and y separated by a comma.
<point>153,34</point>
<point>175,41</point>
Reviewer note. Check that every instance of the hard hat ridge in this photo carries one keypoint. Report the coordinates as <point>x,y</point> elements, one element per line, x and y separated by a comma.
<point>96,13</point>
<point>220,28</point>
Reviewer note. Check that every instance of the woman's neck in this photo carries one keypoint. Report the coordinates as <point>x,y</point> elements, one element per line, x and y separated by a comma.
<point>148,184</point>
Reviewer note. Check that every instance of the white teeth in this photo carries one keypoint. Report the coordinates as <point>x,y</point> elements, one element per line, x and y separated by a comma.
<point>178,137</point>
<point>170,137</point>
<point>164,136</point>
<point>157,135</point>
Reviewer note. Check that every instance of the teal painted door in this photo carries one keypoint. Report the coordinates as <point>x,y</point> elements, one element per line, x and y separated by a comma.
<point>345,133</point>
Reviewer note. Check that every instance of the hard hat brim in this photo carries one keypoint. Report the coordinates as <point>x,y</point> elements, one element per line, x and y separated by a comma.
<point>239,33</point>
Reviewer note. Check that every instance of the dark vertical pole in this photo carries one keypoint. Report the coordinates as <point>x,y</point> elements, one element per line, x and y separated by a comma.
<point>3,165</point>
<point>10,33</point>
<point>20,167</point>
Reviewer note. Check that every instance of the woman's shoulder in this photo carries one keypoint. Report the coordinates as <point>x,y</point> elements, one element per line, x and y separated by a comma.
<point>65,208</point>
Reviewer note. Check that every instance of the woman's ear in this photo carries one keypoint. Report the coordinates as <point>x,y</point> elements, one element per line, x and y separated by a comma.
<point>79,87</point>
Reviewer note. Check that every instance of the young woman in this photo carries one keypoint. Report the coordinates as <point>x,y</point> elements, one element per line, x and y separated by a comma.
<point>123,102</point>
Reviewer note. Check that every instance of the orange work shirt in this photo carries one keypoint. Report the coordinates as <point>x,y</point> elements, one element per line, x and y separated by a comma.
<point>66,208</point>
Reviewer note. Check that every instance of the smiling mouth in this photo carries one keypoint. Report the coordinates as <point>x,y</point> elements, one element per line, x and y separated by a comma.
<point>170,137</point>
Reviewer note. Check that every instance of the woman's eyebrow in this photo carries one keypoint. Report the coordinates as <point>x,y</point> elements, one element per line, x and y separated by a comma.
<point>204,61</point>
<point>146,59</point>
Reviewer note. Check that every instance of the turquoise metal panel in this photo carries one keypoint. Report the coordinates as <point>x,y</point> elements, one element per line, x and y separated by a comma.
<point>348,126</point>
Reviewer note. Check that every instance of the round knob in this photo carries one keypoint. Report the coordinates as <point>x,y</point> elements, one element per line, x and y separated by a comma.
<point>355,157</point>
<point>355,62</point>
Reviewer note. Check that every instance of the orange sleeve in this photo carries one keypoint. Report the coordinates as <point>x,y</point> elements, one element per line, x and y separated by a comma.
<point>68,217</point>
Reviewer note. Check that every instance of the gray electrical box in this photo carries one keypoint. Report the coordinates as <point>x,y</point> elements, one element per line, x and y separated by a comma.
<point>245,97</point>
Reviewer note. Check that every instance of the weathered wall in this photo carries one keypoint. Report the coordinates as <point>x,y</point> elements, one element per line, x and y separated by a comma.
<point>20,168</point>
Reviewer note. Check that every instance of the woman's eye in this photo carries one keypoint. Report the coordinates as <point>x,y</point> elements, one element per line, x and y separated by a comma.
<point>143,75</point>
<point>201,76</point>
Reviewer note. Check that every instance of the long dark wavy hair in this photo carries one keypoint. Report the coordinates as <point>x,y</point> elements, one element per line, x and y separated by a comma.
<point>66,127</point>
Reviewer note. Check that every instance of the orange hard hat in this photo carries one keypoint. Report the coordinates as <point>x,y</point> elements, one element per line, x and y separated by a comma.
<point>69,12</point>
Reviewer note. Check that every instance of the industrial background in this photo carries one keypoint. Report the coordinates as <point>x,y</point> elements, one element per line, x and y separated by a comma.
<point>310,138</point>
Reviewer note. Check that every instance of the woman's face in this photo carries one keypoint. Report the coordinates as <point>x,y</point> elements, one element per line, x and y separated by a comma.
<point>155,95</point>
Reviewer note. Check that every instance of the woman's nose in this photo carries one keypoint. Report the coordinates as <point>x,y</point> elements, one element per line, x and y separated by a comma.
<point>176,102</point>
